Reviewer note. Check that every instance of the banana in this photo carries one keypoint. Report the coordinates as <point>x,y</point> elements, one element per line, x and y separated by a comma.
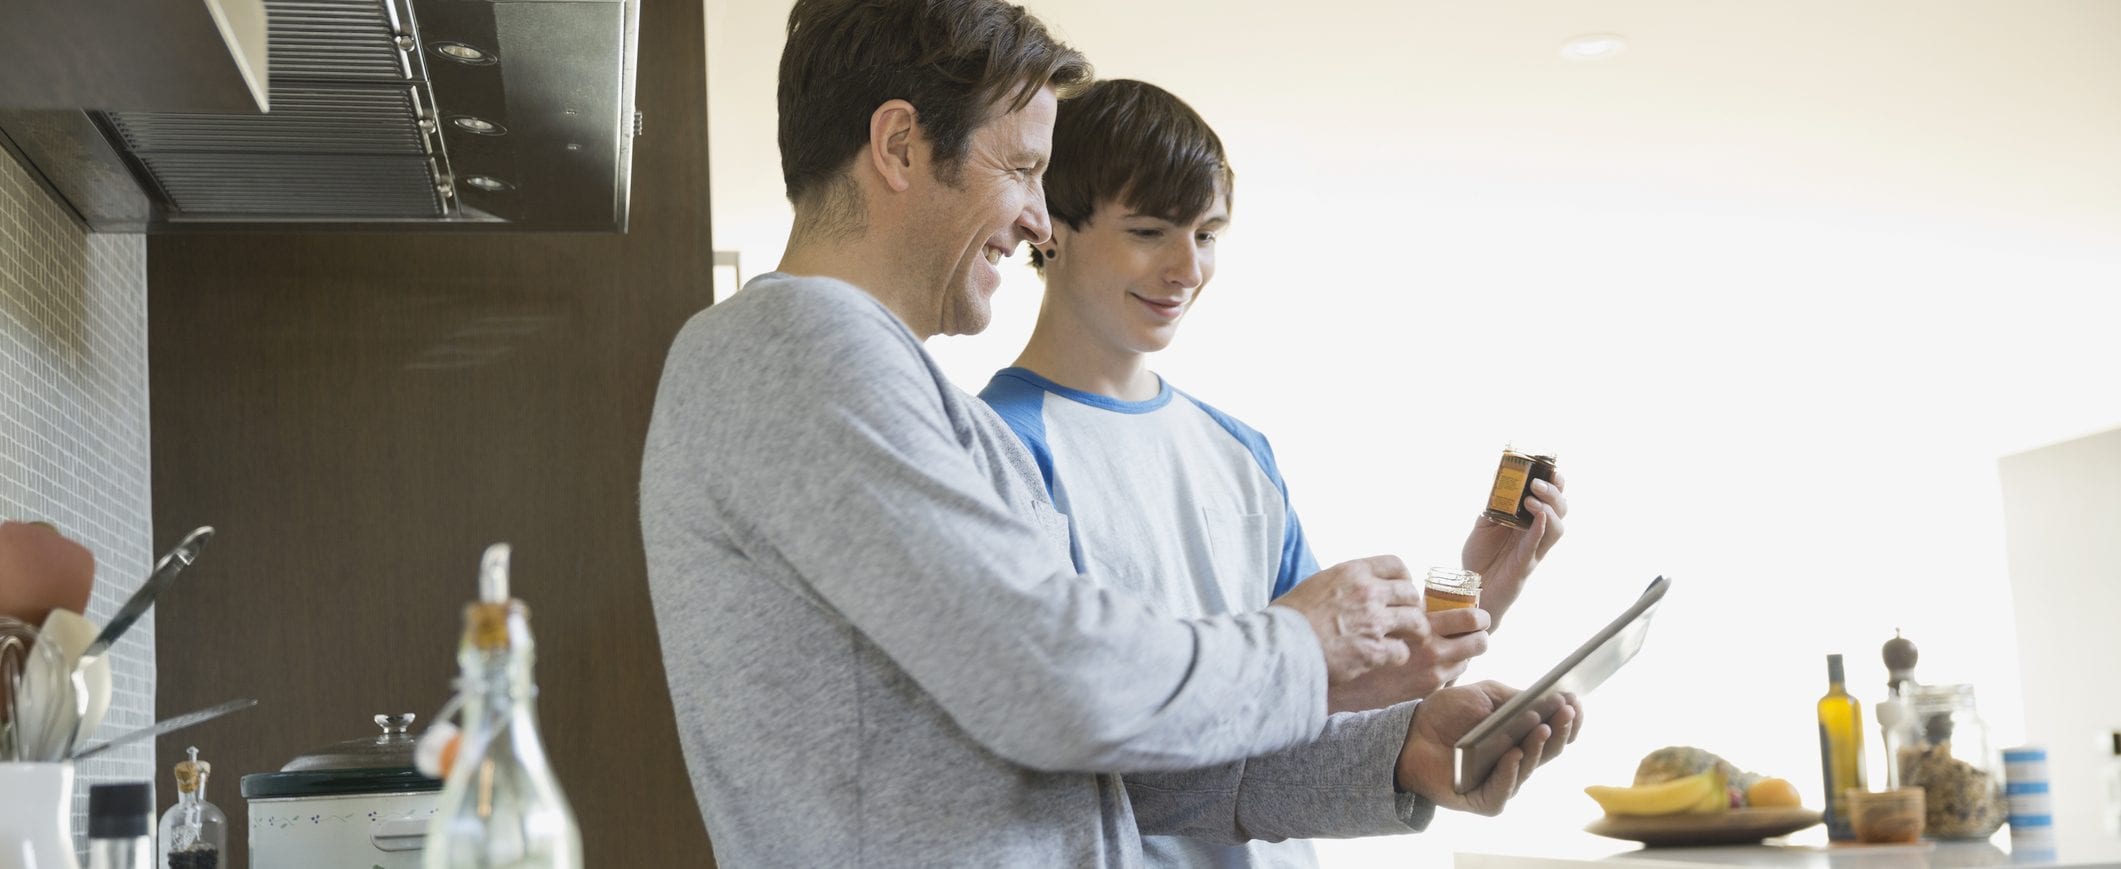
<point>1701,793</point>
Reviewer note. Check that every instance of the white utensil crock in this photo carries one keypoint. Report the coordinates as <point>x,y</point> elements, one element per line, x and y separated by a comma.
<point>36,809</point>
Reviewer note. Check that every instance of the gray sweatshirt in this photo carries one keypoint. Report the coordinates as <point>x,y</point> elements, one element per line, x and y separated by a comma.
<point>879,652</point>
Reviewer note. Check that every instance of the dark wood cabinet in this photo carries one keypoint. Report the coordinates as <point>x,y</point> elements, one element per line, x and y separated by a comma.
<point>361,414</point>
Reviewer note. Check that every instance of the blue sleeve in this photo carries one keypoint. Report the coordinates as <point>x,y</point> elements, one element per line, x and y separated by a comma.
<point>1297,562</point>
<point>1023,407</point>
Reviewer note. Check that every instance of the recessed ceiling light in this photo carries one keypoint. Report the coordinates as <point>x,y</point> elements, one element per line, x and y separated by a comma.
<point>462,53</point>
<point>488,183</point>
<point>480,126</point>
<point>1594,46</point>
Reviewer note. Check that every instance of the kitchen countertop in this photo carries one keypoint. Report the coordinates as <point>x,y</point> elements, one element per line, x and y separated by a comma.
<point>1805,850</point>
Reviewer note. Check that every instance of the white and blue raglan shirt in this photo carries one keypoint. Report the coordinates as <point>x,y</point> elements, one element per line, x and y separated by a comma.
<point>1162,489</point>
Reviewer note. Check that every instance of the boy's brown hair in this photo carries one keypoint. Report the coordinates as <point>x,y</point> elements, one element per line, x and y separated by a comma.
<point>1137,145</point>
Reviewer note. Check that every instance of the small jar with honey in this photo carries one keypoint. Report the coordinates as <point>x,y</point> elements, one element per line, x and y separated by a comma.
<point>1451,589</point>
<point>1513,481</point>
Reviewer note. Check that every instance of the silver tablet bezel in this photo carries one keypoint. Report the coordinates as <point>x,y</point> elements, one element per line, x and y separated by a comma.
<point>1475,754</point>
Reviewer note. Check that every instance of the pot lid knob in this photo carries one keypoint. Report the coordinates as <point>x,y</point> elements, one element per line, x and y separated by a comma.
<point>395,725</point>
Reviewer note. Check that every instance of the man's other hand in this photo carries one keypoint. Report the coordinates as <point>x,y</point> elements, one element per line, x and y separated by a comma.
<point>1438,654</point>
<point>1357,607</point>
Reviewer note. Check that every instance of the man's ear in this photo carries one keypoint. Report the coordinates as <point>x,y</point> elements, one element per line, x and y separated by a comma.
<point>892,130</point>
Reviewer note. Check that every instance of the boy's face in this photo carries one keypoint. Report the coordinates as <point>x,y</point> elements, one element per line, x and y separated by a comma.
<point>1128,278</point>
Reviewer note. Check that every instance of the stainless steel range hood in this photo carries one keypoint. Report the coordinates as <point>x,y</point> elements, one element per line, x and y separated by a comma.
<point>486,115</point>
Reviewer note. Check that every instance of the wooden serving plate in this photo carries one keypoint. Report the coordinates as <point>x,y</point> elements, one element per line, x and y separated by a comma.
<point>1735,827</point>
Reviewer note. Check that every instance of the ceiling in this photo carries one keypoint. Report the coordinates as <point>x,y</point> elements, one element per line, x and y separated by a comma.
<point>1832,178</point>
<point>2004,113</point>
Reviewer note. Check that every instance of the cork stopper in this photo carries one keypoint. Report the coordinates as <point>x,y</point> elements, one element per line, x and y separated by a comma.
<point>191,774</point>
<point>486,626</point>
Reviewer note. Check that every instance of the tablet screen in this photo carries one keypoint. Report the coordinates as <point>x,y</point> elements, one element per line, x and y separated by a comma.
<point>1584,669</point>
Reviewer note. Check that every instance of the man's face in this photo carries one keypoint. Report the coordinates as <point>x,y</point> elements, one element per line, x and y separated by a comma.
<point>1128,278</point>
<point>995,204</point>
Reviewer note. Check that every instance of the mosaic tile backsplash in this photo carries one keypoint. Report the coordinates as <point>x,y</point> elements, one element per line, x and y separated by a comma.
<point>73,428</point>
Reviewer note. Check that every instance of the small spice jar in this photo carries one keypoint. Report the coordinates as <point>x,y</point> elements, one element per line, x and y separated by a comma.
<point>1450,589</point>
<point>1513,480</point>
<point>1889,817</point>
<point>1943,749</point>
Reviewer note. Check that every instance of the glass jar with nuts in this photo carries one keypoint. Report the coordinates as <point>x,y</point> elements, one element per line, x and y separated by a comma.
<point>1944,750</point>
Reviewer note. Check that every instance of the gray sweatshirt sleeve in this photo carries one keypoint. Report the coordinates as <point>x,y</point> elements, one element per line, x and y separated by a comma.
<point>838,456</point>
<point>1338,786</point>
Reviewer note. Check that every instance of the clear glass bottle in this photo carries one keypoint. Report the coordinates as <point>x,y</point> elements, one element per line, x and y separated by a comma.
<point>1840,749</point>
<point>194,832</point>
<point>500,804</point>
<point>1944,750</point>
<point>119,836</point>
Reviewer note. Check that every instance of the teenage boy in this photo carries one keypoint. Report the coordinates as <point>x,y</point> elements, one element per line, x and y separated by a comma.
<point>1166,496</point>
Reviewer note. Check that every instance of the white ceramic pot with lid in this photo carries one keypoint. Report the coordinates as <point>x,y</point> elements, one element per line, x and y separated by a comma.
<point>353,803</point>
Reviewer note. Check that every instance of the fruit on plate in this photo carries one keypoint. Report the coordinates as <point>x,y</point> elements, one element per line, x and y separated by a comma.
<point>1773,793</point>
<point>1700,793</point>
<point>1680,761</point>
<point>1746,789</point>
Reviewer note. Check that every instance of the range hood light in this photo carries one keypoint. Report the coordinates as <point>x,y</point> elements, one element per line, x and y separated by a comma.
<point>462,53</point>
<point>488,183</point>
<point>480,126</point>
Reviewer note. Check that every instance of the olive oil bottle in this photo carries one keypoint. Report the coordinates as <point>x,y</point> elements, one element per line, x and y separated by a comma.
<point>1840,749</point>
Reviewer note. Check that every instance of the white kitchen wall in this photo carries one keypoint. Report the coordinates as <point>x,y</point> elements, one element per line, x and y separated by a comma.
<point>74,424</point>
<point>1779,285</point>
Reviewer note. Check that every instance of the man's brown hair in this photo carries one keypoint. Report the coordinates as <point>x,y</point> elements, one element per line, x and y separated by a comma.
<point>1134,144</point>
<point>954,60</point>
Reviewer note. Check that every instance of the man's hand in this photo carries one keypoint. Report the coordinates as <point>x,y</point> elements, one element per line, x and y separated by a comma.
<point>1356,608</point>
<point>1438,653</point>
<point>1504,556</point>
<point>1425,765</point>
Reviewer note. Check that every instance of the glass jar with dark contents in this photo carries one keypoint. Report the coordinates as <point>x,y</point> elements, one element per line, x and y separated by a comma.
<point>1513,481</point>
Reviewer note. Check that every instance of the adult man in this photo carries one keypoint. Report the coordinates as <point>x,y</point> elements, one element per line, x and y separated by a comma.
<point>877,649</point>
<point>1167,496</point>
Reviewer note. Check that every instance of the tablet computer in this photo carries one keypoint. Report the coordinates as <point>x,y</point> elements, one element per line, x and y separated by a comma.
<point>1584,669</point>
